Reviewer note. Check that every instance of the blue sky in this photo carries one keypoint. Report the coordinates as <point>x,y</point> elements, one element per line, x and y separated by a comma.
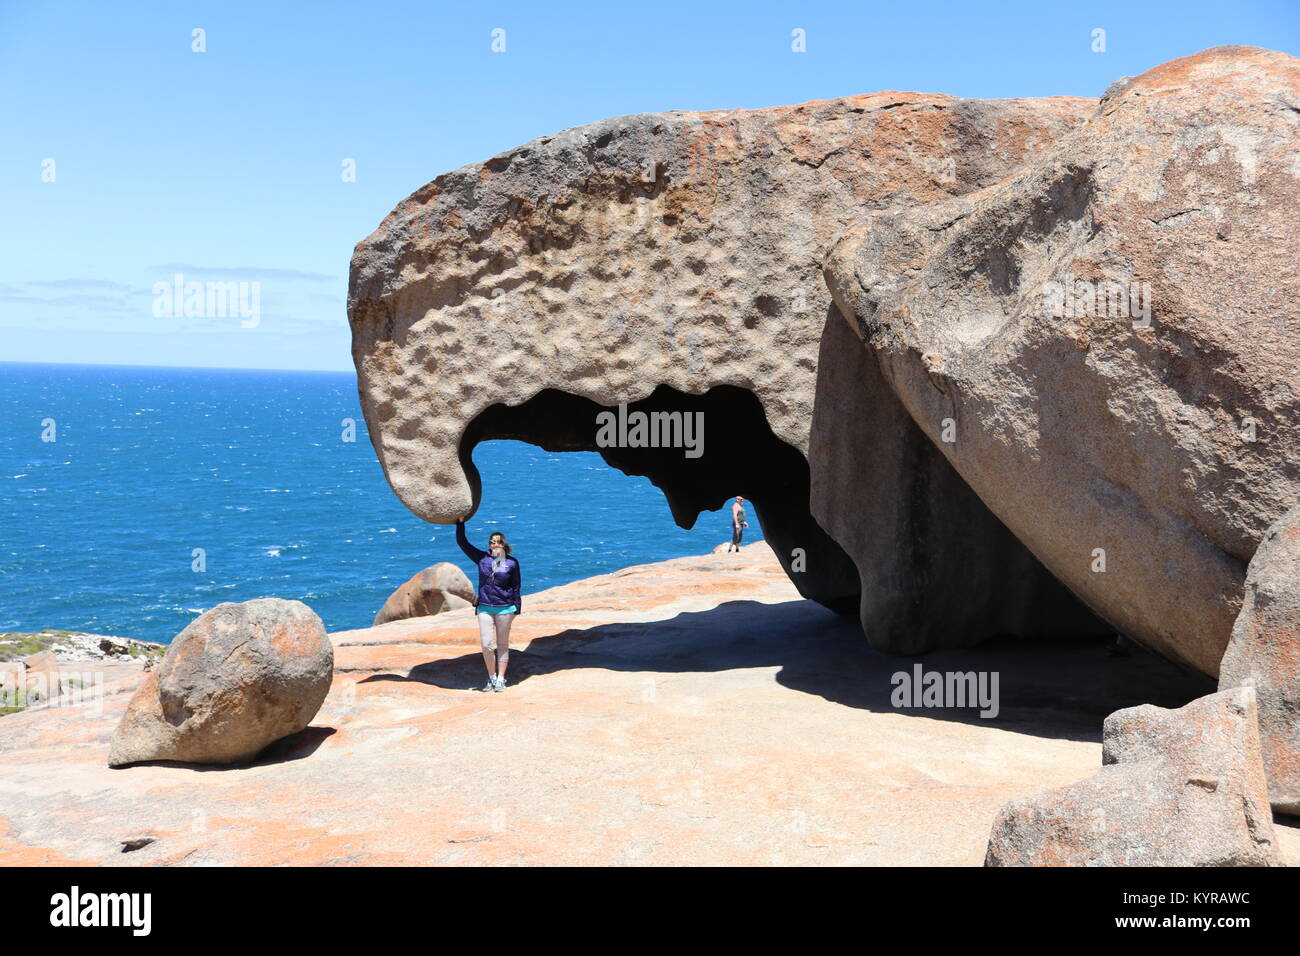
<point>226,165</point>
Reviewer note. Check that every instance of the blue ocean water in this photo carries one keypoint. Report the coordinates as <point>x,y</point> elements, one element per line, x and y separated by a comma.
<point>149,464</point>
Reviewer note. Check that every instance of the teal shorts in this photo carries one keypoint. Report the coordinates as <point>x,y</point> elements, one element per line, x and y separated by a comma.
<point>490,609</point>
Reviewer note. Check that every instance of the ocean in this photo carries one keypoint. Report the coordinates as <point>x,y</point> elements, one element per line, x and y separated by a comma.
<point>101,525</point>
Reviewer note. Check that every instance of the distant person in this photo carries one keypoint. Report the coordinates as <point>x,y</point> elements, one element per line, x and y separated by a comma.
<point>498,601</point>
<point>738,522</point>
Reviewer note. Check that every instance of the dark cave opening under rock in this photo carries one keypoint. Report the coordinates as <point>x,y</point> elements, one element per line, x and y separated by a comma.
<point>739,455</point>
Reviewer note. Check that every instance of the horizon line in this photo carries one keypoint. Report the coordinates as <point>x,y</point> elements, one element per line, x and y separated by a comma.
<point>203,368</point>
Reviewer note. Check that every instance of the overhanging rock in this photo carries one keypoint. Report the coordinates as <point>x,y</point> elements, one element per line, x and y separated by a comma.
<point>672,262</point>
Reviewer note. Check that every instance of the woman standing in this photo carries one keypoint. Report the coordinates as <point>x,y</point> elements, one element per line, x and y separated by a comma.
<point>498,601</point>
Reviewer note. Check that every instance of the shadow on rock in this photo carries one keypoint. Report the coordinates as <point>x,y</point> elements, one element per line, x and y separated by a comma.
<point>296,746</point>
<point>1061,688</point>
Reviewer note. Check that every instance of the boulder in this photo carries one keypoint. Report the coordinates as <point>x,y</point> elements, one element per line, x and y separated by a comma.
<point>238,678</point>
<point>42,677</point>
<point>1104,345</point>
<point>670,264</point>
<point>441,587</point>
<point>1177,787</point>
<point>1265,653</point>
<point>13,679</point>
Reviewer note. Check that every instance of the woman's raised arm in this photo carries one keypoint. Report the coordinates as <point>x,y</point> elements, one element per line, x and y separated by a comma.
<point>471,552</point>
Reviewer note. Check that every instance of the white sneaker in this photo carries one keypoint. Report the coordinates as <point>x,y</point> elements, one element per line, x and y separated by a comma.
<point>490,685</point>
<point>500,684</point>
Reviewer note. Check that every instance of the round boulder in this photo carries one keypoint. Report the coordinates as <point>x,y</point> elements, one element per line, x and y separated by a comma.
<point>238,678</point>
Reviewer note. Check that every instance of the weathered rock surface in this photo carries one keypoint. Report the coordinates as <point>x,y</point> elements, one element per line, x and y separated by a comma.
<point>692,711</point>
<point>1178,787</point>
<point>238,678</point>
<point>1265,653</point>
<point>1167,451</point>
<point>673,262</point>
<point>440,587</point>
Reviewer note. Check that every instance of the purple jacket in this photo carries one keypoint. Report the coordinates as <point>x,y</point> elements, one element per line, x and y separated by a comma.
<point>496,588</point>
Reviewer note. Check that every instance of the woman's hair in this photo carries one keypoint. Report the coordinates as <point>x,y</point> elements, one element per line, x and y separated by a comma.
<point>504,543</point>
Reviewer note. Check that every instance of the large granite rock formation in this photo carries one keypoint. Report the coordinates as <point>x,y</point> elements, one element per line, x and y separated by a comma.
<point>673,262</point>
<point>438,588</point>
<point>1178,787</point>
<point>238,678</point>
<point>1265,653</point>
<point>1141,461</point>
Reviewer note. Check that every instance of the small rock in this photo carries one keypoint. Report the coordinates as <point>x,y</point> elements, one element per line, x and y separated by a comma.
<point>13,675</point>
<point>43,676</point>
<point>441,587</point>
<point>1265,652</point>
<point>1182,787</point>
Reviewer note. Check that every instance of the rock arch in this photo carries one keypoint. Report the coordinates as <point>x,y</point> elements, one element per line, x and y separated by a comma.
<point>677,258</point>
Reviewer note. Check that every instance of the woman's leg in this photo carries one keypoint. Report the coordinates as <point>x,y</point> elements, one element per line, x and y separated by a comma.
<point>485,640</point>
<point>503,643</point>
